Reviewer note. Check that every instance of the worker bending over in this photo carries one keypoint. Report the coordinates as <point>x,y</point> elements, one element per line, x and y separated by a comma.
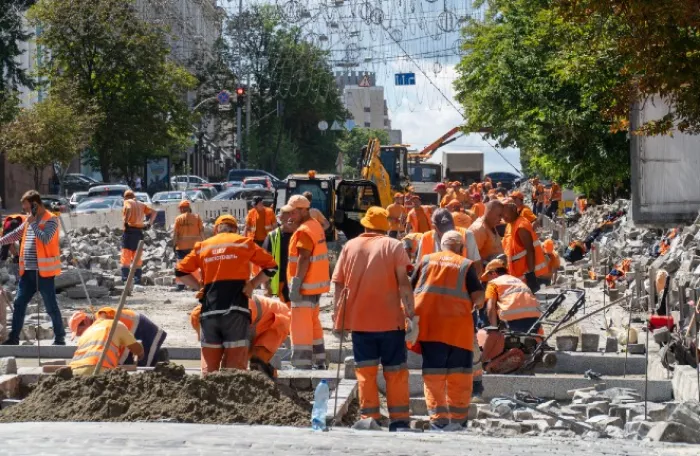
<point>93,342</point>
<point>509,299</point>
<point>371,282</point>
<point>447,290</point>
<point>143,329</point>
<point>270,321</point>
<point>553,263</point>
<point>522,247</point>
<point>259,221</point>
<point>397,216</point>
<point>277,243</point>
<point>308,275</point>
<point>134,214</point>
<point>224,261</point>
<point>188,230</point>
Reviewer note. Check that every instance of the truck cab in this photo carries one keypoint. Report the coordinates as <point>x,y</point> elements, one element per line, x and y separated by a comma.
<point>423,178</point>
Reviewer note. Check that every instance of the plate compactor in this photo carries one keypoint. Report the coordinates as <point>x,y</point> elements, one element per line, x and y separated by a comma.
<point>505,352</point>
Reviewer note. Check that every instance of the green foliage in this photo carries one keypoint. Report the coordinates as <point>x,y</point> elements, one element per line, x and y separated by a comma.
<point>350,145</point>
<point>51,132</point>
<point>113,63</point>
<point>12,75</point>
<point>518,80</point>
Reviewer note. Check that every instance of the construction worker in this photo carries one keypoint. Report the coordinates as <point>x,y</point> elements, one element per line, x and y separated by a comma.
<point>418,217</point>
<point>397,216</point>
<point>187,231</point>
<point>277,243</point>
<point>308,276</point>
<point>410,244</point>
<point>524,211</point>
<point>224,261</point>
<point>270,321</point>
<point>553,263</point>
<point>93,342</point>
<point>144,330</point>
<point>461,219</point>
<point>259,221</point>
<point>441,190</point>
<point>478,207</point>
<point>537,197</point>
<point>581,204</point>
<point>484,229</point>
<point>443,222</point>
<point>39,264</point>
<point>133,214</point>
<point>522,247</point>
<point>447,291</point>
<point>509,299</point>
<point>316,214</point>
<point>371,283</point>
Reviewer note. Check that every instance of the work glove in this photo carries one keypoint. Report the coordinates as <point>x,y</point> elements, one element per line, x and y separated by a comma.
<point>531,281</point>
<point>412,330</point>
<point>295,289</point>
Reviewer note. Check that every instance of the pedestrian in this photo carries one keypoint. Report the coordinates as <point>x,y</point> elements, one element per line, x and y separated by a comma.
<point>521,245</point>
<point>316,214</point>
<point>259,221</point>
<point>39,264</point>
<point>277,243</point>
<point>555,198</point>
<point>93,342</point>
<point>371,282</point>
<point>143,329</point>
<point>187,231</point>
<point>224,261</point>
<point>308,276</point>
<point>134,214</point>
<point>137,183</point>
<point>447,291</point>
<point>397,216</point>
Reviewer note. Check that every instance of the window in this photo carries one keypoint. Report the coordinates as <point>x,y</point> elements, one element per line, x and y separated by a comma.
<point>367,109</point>
<point>367,124</point>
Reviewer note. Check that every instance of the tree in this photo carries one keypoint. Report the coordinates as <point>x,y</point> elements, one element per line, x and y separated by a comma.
<point>51,132</point>
<point>513,81</point>
<point>12,75</point>
<point>114,63</point>
<point>350,144</point>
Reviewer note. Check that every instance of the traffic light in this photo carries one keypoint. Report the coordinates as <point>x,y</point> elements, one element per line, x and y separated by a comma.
<point>237,155</point>
<point>240,94</point>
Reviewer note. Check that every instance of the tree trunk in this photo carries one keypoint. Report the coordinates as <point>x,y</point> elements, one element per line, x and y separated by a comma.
<point>37,178</point>
<point>277,150</point>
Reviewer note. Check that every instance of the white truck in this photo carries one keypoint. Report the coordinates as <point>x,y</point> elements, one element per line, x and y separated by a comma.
<point>463,166</point>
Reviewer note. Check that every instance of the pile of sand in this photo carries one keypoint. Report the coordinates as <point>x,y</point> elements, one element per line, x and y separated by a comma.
<point>165,394</point>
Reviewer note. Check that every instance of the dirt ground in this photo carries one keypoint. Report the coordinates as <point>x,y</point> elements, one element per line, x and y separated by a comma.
<point>165,394</point>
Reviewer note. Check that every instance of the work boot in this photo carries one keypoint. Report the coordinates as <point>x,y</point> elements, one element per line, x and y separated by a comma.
<point>59,342</point>
<point>398,425</point>
<point>477,392</point>
<point>257,364</point>
<point>11,342</point>
<point>125,274</point>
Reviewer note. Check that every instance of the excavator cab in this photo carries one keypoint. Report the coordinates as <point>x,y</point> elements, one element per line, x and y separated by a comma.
<point>386,167</point>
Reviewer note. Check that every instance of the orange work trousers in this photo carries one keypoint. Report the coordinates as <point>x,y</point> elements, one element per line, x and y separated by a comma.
<point>447,379</point>
<point>307,333</point>
<point>387,348</point>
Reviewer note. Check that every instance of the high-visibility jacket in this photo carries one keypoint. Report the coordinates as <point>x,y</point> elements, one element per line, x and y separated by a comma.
<point>48,256</point>
<point>429,243</point>
<point>516,253</point>
<point>539,193</point>
<point>254,217</point>
<point>270,322</point>
<point>276,241</point>
<point>442,301</point>
<point>188,230</point>
<point>134,213</point>
<point>91,345</point>
<point>515,300</point>
<point>128,317</point>
<point>318,278</point>
<point>582,204</point>
<point>419,219</point>
<point>556,192</point>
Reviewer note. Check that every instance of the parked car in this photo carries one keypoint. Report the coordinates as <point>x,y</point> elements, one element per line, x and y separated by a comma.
<point>100,204</point>
<point>169,197</point>
<point>72,183</point>
<point>233,184</point>
<point>219,186</point>
<point>208,190</point>
<point>196,195</point>
<point>242,174</point>
<point>108,190</point>
<point>247,194</point>
<point>264,181</point>
<point>186,182</point>
<point>143,197</point>
<point>55,203</point>
<point>507,179</point>
<point>253,185</point>
<point>77,198</point>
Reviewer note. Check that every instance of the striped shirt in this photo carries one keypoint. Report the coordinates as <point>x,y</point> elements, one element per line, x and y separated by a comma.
<point>29,246</point>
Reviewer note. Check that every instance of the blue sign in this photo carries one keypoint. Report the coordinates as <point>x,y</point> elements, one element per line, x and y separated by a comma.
<point>405,79</point>
<point>223,97</point>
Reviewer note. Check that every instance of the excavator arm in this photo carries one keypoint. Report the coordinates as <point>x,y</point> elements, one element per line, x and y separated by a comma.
<point>440,142</point>
<point>373,170</point>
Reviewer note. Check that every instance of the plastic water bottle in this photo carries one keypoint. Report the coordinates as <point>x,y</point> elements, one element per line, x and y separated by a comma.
<point>318,414</point>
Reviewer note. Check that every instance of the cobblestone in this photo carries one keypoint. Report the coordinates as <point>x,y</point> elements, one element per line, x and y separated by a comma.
<point>188,439</point>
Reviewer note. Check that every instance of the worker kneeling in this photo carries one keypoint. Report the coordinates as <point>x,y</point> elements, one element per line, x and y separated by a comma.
<point>94,341</point>
<point>269,327</point>
<point>447,290</point>
<point>509,299</point>
<point>143,329</point>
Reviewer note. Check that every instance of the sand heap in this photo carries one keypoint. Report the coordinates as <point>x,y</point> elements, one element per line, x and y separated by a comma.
<point>165,394</point>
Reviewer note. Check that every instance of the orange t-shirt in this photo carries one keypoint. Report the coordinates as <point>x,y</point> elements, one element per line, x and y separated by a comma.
<point>395,212</point>
<point>366,266</point>
<point>462,220</point>
<point>260,232</point>
<point>527,214</point>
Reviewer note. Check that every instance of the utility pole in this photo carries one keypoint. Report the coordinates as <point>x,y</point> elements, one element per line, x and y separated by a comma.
<point>247,114</point>
<point>239,142</point>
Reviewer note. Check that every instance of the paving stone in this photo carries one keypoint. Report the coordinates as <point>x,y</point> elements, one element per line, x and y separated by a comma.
<point>637,429</point>
<point>672,431</point>
<point>8,365</point>
<point>600,422</point>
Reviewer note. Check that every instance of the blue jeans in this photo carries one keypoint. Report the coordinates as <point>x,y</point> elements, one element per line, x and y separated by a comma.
<point>28,286</point>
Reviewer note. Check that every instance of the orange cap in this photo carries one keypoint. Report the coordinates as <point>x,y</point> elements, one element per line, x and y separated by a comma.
<point>492,266</point>
<point>227,219</point>
<point>517,194</point>
<point>129,194</point>
<point>454,204</point>
<point>297,202</point>
<point>184,204</point>
<point>75,320</point>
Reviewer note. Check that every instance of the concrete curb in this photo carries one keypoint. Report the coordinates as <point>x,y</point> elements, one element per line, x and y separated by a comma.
<point>685,384</point>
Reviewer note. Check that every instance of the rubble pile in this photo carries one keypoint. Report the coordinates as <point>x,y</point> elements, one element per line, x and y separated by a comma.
<point>593,412</point>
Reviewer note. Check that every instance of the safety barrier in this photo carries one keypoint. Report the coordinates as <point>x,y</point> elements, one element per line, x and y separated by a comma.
<point>208,210</point>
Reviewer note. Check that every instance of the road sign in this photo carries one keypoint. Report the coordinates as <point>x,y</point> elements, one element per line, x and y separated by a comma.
<point>403,79</point>
<point>336,126</point>
<point>224,97</point>
<point>225,107</point>
<point>323,125</point>
<point>364,82</point>
<point>349,124</point>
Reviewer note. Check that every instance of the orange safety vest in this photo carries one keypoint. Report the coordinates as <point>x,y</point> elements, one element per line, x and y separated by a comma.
<point>547,197</point>
<point>556,192</point>
<point>515,300</point>
<point>516,253</point>
<point>91,345</point>
<point>318,278</point>
<point>253,218</point>
<point>540,193</point>
<point>188,228</point>
<point>48,256</point>
<point>442,300</point>
<point>582,204</point>
<point>420,223</point>
<point>270,323</point>
<point>128,317</point>
<point>428,243</point>
<point>134,212</point>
